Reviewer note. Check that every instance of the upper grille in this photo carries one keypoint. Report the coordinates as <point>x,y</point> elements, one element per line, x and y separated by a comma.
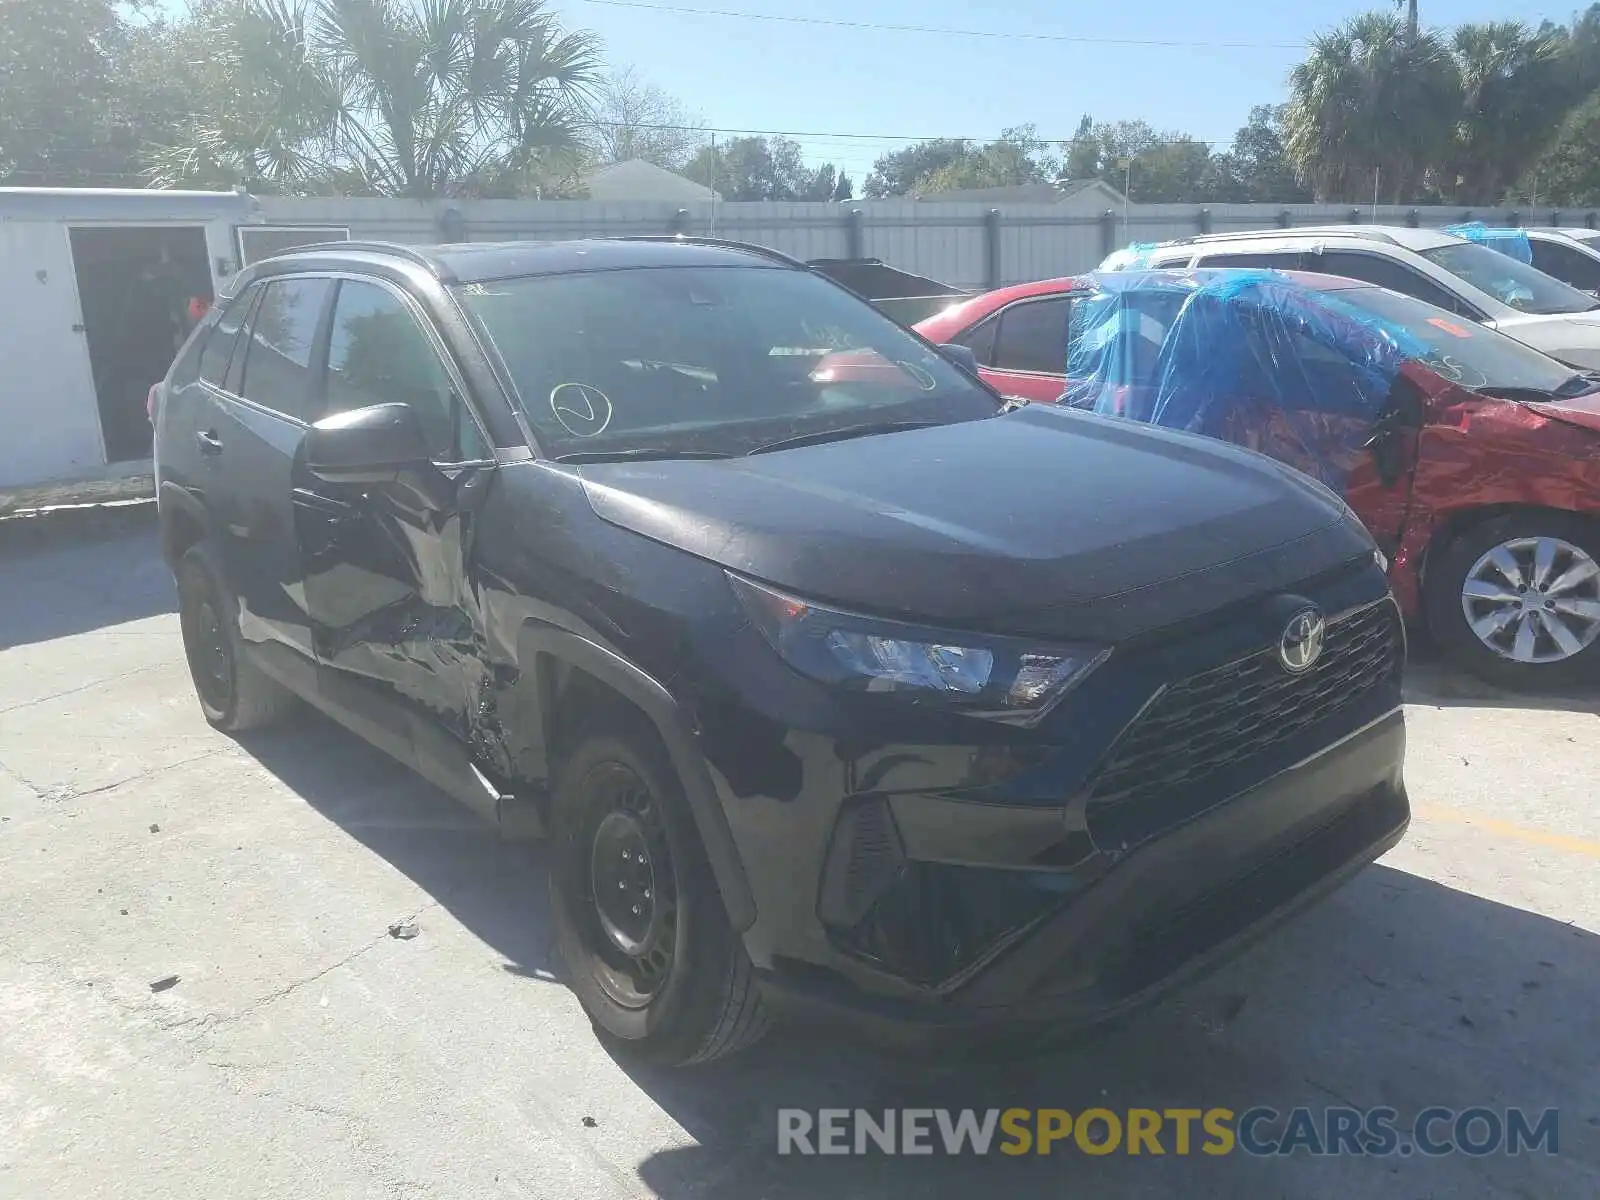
<point>1231,713</point>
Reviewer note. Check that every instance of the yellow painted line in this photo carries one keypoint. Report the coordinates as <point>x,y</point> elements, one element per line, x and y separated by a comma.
<point>1509,831</point>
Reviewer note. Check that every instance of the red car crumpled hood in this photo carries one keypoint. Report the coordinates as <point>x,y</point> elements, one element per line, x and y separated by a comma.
<point>1483,450</point>
<point>1584,411</point>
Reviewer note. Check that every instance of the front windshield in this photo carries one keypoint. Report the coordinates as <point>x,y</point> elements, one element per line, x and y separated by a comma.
<point>1513,283</point>
<point>1460,350</point>
<point>709,360</point>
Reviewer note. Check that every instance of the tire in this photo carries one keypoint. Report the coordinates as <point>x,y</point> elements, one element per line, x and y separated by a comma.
<point>1526,653</point>
<point>678,987</point>
<point>234,693</point>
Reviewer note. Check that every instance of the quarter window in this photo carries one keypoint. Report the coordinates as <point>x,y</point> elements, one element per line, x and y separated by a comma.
<point>379,354</point>
<point>1283,260</point>
<point>283,333</point>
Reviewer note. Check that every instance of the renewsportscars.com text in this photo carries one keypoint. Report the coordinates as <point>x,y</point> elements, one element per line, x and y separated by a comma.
<point>1258,1131</point>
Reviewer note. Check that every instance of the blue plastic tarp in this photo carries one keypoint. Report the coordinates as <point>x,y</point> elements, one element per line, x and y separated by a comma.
<point>1513,243</point>
<point>1249,356</point>
<point>1132,257</point>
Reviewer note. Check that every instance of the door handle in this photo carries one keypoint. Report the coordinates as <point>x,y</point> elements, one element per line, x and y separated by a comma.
<point>208,442</point>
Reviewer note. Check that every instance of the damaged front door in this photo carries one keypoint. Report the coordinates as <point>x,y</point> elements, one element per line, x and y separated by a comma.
<point>395,623</point>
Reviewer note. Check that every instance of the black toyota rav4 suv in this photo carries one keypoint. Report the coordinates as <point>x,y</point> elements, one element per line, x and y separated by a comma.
<point>835,681</point>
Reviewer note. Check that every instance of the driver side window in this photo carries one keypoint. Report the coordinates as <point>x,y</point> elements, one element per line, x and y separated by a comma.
<point>378,353</point>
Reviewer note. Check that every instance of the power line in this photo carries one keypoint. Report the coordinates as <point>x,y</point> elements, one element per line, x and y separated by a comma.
<point>944,31</point>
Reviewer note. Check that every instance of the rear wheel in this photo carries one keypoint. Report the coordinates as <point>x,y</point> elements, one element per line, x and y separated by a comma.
<point>637,916</point>
<point>234,693</point>
<point>1516,600</point>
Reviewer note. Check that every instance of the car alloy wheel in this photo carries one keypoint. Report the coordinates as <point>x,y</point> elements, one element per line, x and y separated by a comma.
<point>630,887</point>
<point>1534,600</point>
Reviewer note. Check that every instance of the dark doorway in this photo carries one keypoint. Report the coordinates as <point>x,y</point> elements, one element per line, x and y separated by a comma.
<point>140,289</point>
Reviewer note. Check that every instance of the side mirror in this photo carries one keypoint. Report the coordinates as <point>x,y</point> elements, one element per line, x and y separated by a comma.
<point>962,356</point>
<point>366,445</point>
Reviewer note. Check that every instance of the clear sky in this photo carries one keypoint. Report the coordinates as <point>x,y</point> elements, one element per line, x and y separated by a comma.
<point>817,78</point>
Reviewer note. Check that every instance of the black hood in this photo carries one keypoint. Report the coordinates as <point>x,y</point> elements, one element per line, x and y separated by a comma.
<point>1042,521</point>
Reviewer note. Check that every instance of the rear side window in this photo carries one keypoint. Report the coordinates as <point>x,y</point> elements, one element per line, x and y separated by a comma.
<point>1033,337</point>
<point>1385,272</point>
<point>283,334</point>
<point>1566,264</point>
<point>378,353</point>
<point>217,352</point>
<point>1282,260</point>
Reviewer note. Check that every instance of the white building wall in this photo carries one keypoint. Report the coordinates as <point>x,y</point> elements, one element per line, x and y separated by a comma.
<point>49,415</point>
<point>49,421</point>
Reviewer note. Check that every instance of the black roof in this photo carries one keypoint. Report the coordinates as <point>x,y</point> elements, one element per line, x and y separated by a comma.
<point>475,262</point>
<point>876,280</point>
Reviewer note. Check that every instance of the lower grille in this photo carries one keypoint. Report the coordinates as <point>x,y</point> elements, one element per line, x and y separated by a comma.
<point>1231,713</point>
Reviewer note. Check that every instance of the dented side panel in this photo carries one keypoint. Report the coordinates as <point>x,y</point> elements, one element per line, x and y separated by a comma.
<point>1478,452</point>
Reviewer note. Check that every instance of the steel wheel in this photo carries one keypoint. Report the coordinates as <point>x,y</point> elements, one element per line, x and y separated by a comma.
<point>1534,600</point>
<point>630,887</point>
<point>205,643</point>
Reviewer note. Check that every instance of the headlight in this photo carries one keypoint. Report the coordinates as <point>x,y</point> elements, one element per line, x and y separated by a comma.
<point>1382,560</point>
<point>996,678</point>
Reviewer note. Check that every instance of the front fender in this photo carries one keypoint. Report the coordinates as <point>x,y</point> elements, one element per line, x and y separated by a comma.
<point>537,640</point>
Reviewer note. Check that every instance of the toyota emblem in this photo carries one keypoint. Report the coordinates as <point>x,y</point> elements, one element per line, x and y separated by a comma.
<point>1301,644</point>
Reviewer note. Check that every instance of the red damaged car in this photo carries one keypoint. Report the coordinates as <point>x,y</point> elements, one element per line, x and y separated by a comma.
<point>1473,460</point>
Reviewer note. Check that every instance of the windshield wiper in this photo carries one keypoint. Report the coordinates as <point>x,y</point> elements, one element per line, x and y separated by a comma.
<point>838,435</point>
<point>1580,384</point>
<point>635,453</point>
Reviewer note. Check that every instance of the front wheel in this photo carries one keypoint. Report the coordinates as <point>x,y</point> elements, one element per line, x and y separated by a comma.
<point>1516,600</point>
<point>637,916</point>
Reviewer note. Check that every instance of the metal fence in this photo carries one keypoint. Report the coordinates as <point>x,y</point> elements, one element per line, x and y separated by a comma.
<point>968,245</point>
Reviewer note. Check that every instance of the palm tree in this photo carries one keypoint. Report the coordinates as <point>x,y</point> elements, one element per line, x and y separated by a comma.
<point>388,97</point>
<point>263,107</point>
<point>1411,16</point>
<point>1371,107</point>
<point>1511,105</point>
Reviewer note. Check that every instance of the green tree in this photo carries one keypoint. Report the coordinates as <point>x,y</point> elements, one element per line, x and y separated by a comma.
<point>1018,155</point>
<point>62,116</point>
<point>1511,103</point>
<point>382,97</point>
<point>1568,173</point>
<point>1256,169</point>
<point>1371,105</point>
<point>1084,152</point>
<point>1154,166</point>
<point>754,168</point>
<point>897,172</point>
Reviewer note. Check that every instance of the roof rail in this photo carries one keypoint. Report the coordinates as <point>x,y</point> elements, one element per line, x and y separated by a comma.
<point>1366,232</point>
<point>690,240</point>
<point>398,249</point>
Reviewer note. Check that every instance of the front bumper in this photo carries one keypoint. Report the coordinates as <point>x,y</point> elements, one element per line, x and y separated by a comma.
<point>1168,910</point>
